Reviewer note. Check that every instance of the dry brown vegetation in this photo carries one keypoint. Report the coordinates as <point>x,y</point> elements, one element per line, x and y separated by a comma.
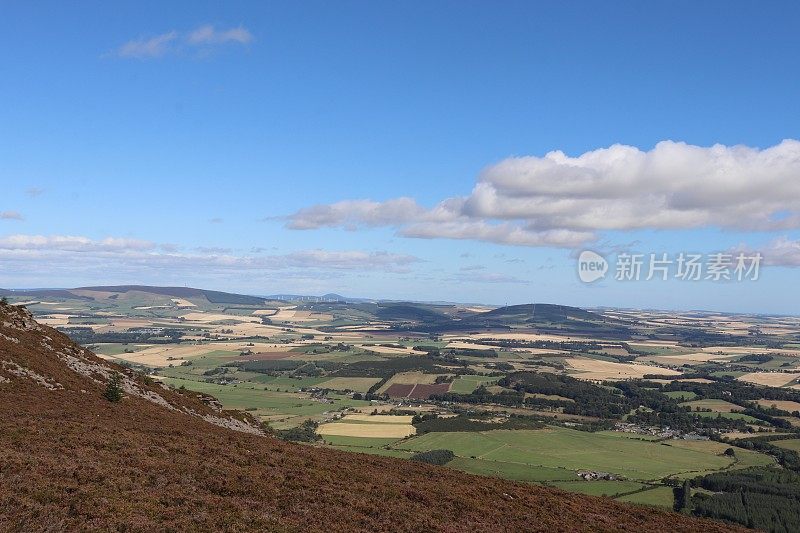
<point>72,461</point>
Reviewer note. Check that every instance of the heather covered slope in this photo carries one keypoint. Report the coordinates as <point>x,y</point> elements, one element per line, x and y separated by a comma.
<point>161,460</point>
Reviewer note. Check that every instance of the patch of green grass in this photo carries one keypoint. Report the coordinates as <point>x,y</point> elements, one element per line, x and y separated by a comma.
<point>658,496</point>
<point>386,452</point>
<point>789,444</point>
<point>267,402</point>
<point>467,384</point>
<point>600,487</point>
<point>358,442</point>
<point>353,384</point>
<point>681,395</point>
<point>740,416</point>
<point>717,406</point>
<point>516,472</point>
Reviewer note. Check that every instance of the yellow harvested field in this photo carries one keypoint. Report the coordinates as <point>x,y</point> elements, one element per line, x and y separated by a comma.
<point>365,327</point>
<point>695,380</point>
<point>695,357</point>
<point>785,405</point>
<point>380,419</point>
<point>594,369</point>
<point>291,314</point>
<point>392,350</point>
<point>180,302</point>
<point>54,320</point>
<point>386,431</point>
<point>474,346</point>
<point>165,354</point>
<point>770,379</point>
<point>217,317</point>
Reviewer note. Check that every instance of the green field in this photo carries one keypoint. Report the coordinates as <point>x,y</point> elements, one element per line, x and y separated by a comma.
<point>789,444</point>
<point>266,402</point>
<point>717,406</point>
<point>559,447</point>
<point>353,384</point>
<point>747,418</point>
<point>385,452</point>
<point>600,487</point>
<point>681,395</point>
<point>659,496</point>
<point>467,384</point>
<point>361,442</point>
<point>513,471</point>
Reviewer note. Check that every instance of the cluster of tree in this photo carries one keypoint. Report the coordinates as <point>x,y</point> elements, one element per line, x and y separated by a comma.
<point>755,358</point>
<point>388,367</point>
<point>86,336</point>
<point>434,457</point>
<point>788,459</point>
<point>687,421</point>
<point>306,432</point>
<point>216,370</point>
<point>542,362</point>
<point>481,395</point>
<point>587,398</point>
<point>761,498</point>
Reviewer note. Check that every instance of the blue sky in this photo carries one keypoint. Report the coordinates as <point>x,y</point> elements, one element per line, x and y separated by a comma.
<point>182,143</point>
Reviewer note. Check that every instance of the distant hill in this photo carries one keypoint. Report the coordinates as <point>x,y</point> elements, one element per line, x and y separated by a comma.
<point>216,297</point>
<point>540,313</point>
<point>84,293</point>
<point>169,460</point>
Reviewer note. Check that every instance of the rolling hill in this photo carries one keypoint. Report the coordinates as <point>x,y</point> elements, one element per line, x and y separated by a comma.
<point>164,459</point>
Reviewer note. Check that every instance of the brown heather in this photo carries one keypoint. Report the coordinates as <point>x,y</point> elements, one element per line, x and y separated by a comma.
<point>71,460</point>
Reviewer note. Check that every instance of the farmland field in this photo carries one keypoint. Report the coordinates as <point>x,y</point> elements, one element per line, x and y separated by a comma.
<point>789,444</point>
<point>479,390</point>
<point>717,406</point>
<point>658,496</point>
<point>600,487</point>
<point>379,430</point>
<point>558,447</point>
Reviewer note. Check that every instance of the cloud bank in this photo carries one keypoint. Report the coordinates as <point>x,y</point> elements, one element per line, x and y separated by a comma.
<point>562,201</point>
<point>123,254</point>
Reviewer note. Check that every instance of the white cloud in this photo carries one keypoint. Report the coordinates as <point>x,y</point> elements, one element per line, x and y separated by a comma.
<point>174,42</point>
<point>352,214</point>
<point>557,200</point>
<point>33,192</point>
<point>66,243</point>
<point>782,252</point>
<point>488,277</point>
<point>11,215</point>
<point>124,254</point>
<point>148,47</point>
<point>209,35</point>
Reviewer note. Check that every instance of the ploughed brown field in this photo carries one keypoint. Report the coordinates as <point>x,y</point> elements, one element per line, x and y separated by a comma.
<point>163,460</point>
<point>419,391</point>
